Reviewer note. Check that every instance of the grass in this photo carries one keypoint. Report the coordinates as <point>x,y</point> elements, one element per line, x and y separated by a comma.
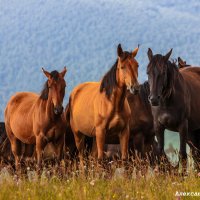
<point>74,185</point>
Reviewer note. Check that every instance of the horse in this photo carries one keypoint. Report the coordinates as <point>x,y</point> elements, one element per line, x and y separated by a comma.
<point>35,120</point>
<point>100,109</point>
<point>5,149</point>
<point>182,64</point>
<point>175,103</point>
<point>142,135</point>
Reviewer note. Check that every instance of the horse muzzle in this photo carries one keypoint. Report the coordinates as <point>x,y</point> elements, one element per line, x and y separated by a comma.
<point>58,110</point>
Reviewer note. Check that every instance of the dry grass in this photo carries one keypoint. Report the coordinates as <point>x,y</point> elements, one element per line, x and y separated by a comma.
<point>95,183</point>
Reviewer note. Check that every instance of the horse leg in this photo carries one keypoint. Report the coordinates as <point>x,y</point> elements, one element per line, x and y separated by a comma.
<point>159,131</point>
<point>59,148</point>
<point>94,152</point>
<point>15,147</point>
<point>28,153</point>
<point>183,133</point>
<point>197,153</point>
<point>40,145</point>
<point>79,140</point>
<point>138,143</point>
<point>194,143</point>
<point>100,140</point>
<point>124,140</point>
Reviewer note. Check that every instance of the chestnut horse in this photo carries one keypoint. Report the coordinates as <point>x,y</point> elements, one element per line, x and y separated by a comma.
<point>101,109</point>
<point>37,119</point>
<point>175,100</point>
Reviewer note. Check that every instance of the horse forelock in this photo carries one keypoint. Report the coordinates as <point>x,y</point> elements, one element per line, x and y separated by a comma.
<point>45,91</point>
<point>55,75</point>
<point>157,63</point>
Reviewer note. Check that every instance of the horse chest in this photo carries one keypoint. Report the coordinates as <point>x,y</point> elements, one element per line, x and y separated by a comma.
<point>168,119</point>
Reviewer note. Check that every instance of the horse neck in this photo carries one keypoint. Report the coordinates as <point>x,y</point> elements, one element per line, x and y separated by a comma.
<point>177,86</point>
<point>48,109</point>
<point>119,95</point>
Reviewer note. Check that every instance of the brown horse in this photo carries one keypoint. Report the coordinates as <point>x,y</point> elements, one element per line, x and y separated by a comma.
<point>182,64</point>
<point>175,100</point>
<point>100,109</point>
<point>37,119</point>
<point>5,150</point>
<point>142,135</point>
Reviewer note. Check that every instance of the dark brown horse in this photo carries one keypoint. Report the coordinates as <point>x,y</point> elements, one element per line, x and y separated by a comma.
<point>175,100</point>
<point>142,135</point>
<point>182,64</point>
<point>33,119</point>
<point>5,149</point>
<point>100,109</point>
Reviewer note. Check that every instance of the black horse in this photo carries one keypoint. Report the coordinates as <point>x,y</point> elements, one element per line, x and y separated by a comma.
<point>175,100</point>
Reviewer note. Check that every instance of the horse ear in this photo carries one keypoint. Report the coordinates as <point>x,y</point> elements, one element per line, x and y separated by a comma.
<point>119,50</point>
<point>166,57</point>
<point>134,53</point>
<point>150,54</point>
<point>181,63</point>
<point>63,72</point>
<point>47,74</point>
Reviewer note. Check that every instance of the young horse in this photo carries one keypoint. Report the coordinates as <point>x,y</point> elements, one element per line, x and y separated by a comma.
<point>141,123</point>
<point>34,119</point>
<point>168,86</point>
<point>100,109</point>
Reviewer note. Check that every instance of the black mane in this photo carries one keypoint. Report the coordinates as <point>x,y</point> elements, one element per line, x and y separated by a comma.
<point>45,91</point>
<point>109,80</point>
<point>144,92</point>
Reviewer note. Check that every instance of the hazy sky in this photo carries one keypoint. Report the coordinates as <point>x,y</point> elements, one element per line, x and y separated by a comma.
<point>84,34</point>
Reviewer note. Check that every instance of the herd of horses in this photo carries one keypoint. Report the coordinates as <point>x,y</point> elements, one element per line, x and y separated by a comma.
<point>116,110</point>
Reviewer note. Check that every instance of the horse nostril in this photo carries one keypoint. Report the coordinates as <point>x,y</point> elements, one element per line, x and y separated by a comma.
<point>158,96</point>
<point>58,110</point>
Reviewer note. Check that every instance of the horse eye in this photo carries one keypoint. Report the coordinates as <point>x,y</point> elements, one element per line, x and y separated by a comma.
<point>122,67</point>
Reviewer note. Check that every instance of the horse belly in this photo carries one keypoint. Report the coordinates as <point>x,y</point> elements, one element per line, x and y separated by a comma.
<point>23,131</point>
<point>83,123</point>
<point>19,116</point>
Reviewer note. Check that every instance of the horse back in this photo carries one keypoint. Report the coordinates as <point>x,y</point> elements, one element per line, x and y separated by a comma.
<point>191,76</point>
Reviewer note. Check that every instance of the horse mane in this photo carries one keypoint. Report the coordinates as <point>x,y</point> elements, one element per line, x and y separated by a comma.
<point>172,71</point>
<point>109,81</point>
<point>45,91</point>
<point>144,92</point>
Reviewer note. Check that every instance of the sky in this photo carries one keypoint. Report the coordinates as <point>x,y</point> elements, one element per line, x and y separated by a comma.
<point>83,35</point>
